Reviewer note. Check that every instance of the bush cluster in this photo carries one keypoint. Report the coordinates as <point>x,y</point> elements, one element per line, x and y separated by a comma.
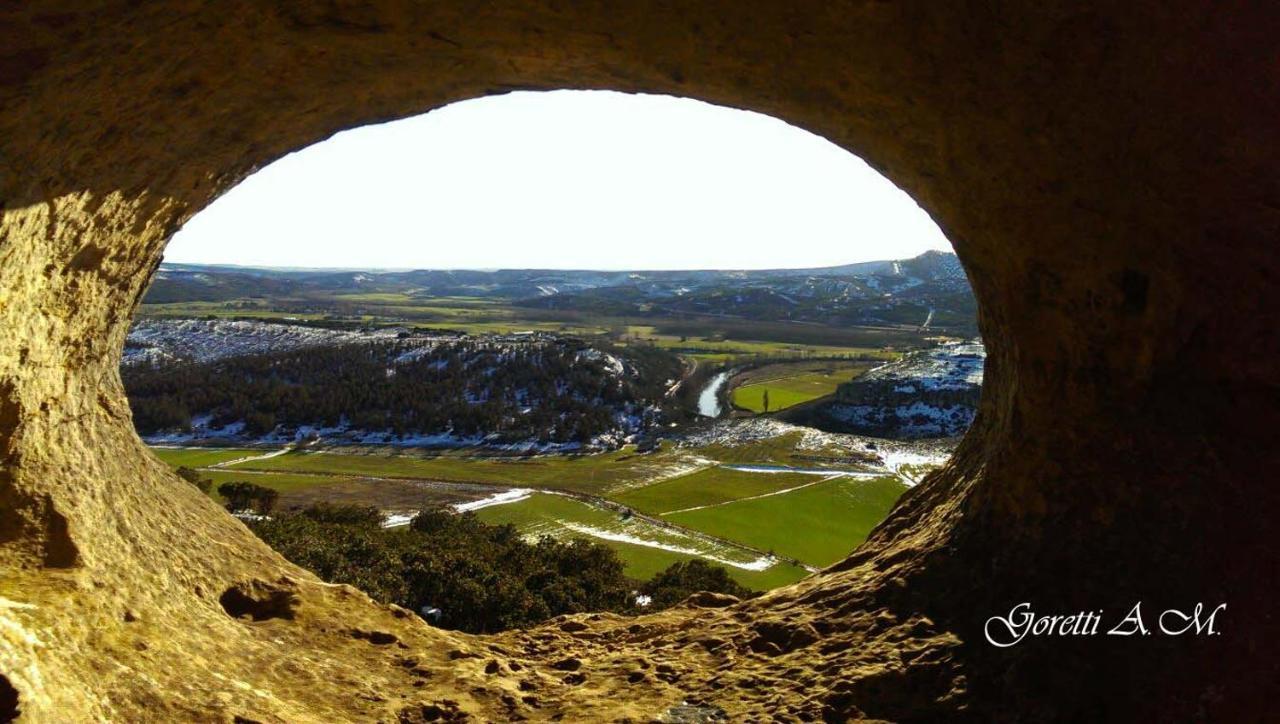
<point>481,578</point>
<point>248,497</point>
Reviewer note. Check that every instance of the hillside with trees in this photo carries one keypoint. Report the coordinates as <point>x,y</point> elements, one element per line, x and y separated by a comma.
<point>546,389</point>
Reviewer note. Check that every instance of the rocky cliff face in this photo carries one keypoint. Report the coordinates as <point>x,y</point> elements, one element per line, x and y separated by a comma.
<point>1108,175</point>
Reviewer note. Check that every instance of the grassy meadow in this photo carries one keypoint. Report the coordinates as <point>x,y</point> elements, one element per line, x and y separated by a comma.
<point>282,482</point>
<point>789,384</point>
<point>593,474</point>
<point>561,517</point>
<point>801,515</point>
<point>819,524</point>
<point>194,457</point>
<point>713,340</point>
<point>708,486</point>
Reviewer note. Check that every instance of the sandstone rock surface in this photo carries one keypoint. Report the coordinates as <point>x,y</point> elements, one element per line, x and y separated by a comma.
<point>1107,172</point>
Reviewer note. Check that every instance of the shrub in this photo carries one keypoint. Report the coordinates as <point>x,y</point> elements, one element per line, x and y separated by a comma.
<point>482,578</point>
<point>248,496</point>
<point>345,514</point>
<point>193,476</point>
<point>681,580</point>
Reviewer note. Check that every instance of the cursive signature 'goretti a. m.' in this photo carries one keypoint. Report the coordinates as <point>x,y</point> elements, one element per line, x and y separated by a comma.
<point>1006,631</point>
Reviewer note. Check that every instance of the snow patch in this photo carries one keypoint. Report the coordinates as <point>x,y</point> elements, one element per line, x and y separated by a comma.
<point>514,495</point>
<point>762,563</point>
<point>398,520</point>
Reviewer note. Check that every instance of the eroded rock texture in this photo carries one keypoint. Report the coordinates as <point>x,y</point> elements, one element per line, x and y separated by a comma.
<point>1107,174</point>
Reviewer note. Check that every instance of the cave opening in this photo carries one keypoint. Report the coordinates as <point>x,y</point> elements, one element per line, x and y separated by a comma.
<point>342,297</point>
<point>695,262</point>
<point>1106,174</point>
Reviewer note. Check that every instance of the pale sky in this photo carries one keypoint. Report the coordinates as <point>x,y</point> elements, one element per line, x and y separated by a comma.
<point>564,180</point>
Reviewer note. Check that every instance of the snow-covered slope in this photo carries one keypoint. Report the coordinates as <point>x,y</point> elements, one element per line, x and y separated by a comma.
<point>204,340</point>
<point>933,393</point>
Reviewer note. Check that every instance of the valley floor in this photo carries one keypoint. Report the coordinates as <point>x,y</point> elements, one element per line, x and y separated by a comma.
<point>768,501</point>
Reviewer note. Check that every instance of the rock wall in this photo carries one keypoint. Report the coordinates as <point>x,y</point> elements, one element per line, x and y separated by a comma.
<point>1107,173</point>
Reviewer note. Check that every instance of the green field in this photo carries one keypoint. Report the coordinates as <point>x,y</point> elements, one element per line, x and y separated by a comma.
<point>779,450</point>
<point>224,310</point>
<point>282,482</point>
<point>644,563</point>
<point>561,517</point>
<point>585,473</point>
<point>709,486</point>
<point>201,457</point>
<point>378,297</point>
<point>464,314</point>
<point>475,315</point>
<point>781,397</point>
<point>818,525</point>
<point>721,350</point>
<point>792,384</point>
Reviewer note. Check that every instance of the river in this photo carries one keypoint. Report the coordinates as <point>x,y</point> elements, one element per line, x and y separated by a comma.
<point>709,399</point>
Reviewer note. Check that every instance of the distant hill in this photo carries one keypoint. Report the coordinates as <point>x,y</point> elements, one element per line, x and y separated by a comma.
<point>930,289</point>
